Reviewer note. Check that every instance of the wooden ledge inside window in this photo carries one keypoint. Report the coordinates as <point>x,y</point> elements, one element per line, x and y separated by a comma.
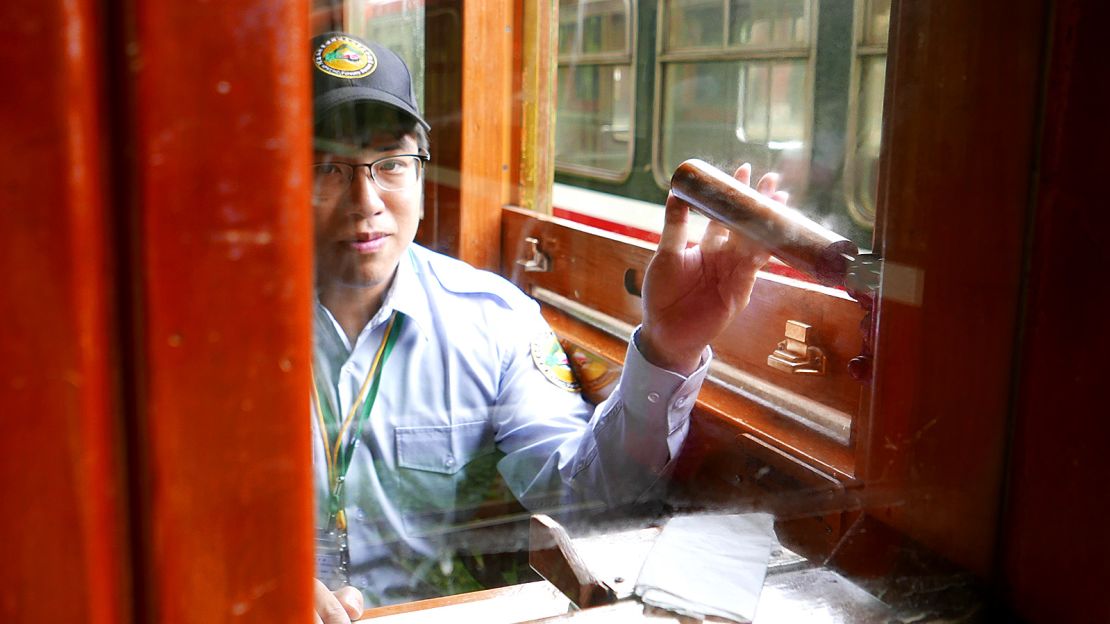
<point>738,415</point>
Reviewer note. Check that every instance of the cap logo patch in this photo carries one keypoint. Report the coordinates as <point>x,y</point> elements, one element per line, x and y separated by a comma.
<point>549,357</point>
<point>344,57</point>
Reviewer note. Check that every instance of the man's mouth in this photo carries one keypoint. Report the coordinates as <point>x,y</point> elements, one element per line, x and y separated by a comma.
<point>369,242</point>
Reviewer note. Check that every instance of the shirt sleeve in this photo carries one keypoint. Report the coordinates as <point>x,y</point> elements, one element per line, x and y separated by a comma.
<point>560,452</point>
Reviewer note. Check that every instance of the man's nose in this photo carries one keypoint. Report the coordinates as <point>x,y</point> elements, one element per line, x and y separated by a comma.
<point>364,193</point>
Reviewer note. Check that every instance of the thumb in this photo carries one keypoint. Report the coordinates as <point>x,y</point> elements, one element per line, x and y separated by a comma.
<point>673,238</point>
<point>351,599</point>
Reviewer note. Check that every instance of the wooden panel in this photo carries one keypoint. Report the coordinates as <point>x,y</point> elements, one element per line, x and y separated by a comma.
<point>962,97</point>
<point>535,135</point>
<point>220,136</point>
<point>1056,548</point>
<point>63,525</point>
<point>487,119</point>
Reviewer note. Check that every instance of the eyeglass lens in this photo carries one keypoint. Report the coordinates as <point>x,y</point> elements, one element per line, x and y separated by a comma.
<point>390,174</point>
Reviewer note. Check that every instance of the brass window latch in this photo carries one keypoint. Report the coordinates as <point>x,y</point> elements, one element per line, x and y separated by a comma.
<point>539,261</point>
<point>797,355</point>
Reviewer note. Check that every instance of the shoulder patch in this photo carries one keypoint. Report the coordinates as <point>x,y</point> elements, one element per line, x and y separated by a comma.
<point>549,357</point>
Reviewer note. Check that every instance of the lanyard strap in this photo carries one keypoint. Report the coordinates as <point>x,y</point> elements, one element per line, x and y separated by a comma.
<point>339,454</point>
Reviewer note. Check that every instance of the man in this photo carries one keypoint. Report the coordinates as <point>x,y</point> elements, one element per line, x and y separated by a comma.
<point>435,381</point>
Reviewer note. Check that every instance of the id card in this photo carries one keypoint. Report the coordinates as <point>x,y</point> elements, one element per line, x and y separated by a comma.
<point>332,558</point>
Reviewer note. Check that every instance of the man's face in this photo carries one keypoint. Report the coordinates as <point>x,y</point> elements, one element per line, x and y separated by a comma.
<point>361,232</point>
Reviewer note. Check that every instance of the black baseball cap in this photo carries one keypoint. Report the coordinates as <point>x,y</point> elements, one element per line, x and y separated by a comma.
<point>347,69</point>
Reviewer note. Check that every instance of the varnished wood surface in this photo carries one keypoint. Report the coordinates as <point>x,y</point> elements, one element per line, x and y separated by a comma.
<point>63,516</point>
<point>958,135</point>
<point>809,594</point>
<point>1055,540</point>
<point>487,122</point>
<point>216,142</point>
<point>514,603</point>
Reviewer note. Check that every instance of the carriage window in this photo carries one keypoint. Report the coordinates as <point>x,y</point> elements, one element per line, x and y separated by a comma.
<point>396,24</point>
<point>744,65</point>
<point>593,131</point>
<point>870,70</point>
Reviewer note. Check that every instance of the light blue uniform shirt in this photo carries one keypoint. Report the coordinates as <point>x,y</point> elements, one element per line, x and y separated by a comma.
<point>461,400</point>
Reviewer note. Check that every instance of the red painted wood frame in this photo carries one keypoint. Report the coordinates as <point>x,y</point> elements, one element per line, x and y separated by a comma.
<point>1055,560</point>
<point>154,372</point>
<point>63,541</point>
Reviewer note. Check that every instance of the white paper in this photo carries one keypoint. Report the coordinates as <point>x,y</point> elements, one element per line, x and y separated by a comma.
<point>709,565</point>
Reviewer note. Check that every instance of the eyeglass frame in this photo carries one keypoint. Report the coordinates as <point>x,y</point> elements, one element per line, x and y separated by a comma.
<point>422,157</point>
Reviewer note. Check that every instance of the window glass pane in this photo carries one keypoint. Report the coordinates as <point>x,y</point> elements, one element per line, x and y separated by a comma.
<point>592,127</point>
<point>786,100</point>
<point>594,106</point>
<point>592,27</point>
<point>868,135</point>
<point>878,22</point>
<point>568,27</point>
<point>396,24</point>
<point>699,99</point>
<point>695,24</point>
<point>753,125</point>
<point>765,22</point>
<point>604,27</point>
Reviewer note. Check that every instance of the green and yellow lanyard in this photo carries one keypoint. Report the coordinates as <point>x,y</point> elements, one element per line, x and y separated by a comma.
<point>339,454</point>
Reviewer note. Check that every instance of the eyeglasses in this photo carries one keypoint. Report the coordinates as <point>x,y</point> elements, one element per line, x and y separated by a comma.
<point>392,173</point>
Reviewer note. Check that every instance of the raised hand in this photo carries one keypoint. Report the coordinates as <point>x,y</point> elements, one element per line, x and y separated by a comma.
<point>690,295</point>
<point>342,606</point>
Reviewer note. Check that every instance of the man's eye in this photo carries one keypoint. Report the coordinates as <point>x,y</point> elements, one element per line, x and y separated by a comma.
<point>393,165</point>
<point>327,169</point>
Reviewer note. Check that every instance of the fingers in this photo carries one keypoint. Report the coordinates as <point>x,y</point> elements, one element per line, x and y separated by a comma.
<point>674,236</point>
<point>744,174</point>
<point>715,236</point>
<point>328,608</point>
<point>768,184</point>
<point>351,599</point>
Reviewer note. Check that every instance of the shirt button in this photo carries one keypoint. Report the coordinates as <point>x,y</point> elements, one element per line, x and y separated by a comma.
<point>449,461</point>
<point>653,397</point>
<point>681,402</point>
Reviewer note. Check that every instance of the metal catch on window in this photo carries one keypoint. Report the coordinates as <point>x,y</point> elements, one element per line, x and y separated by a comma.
<point>796,355</point>
<point>539,261</point>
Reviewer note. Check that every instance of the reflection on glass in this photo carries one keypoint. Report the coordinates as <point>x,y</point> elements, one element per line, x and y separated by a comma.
<point>878,22</point>
<point>396,24</point>
<point>753,103</point>
<point>592,27</point>
<point>594,110</point>
<point>762,101</point>
<point>695,24</point>
<point>868,138</point>
<point>763,22</point>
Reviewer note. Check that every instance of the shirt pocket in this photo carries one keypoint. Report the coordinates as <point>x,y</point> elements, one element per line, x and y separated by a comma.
<point>444,473</point>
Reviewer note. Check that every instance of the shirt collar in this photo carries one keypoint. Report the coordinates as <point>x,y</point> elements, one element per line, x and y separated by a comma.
<point>407,296</point>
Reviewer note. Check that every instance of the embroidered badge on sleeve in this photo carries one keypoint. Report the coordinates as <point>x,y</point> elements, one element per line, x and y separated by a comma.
<point>550,358</point>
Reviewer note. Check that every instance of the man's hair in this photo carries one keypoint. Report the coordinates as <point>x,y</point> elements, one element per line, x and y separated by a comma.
<point>362,121</point>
